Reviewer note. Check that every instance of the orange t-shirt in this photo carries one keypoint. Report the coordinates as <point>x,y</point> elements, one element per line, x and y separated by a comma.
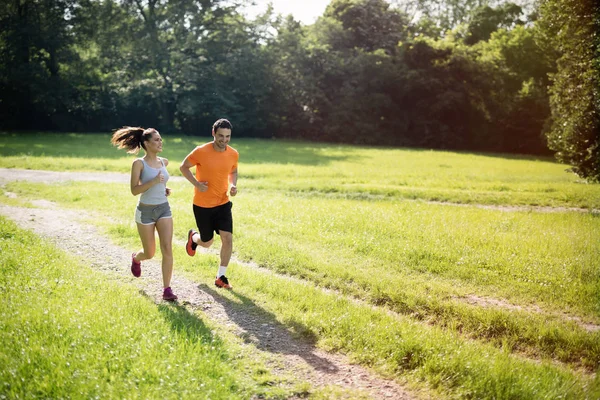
<point>213,167</point>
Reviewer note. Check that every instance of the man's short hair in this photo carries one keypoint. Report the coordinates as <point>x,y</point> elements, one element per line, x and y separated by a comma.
<point>222,123</point>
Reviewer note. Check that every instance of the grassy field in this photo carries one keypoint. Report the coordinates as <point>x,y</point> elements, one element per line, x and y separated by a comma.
<point>69,332</point>
<point>443,270</point>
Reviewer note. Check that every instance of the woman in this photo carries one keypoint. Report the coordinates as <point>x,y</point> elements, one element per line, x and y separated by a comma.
<point>149,178</point>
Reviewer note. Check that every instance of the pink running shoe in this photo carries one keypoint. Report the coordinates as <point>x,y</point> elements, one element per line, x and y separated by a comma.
<point>168,294</point>
<point>136,267</point>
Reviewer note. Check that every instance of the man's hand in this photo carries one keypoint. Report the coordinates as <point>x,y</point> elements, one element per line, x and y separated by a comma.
<point>233,191</point>
<point>202,186</point>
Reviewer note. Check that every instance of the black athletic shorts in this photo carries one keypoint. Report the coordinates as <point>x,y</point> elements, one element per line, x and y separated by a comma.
<point>214,219</point>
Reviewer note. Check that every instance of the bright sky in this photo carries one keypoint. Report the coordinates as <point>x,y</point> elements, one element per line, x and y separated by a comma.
<point>305,11</point>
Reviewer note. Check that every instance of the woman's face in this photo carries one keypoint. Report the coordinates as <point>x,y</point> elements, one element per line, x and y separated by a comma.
<point>155,143</point>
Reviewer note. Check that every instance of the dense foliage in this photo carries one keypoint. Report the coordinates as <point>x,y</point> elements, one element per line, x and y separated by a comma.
<point>469,75</point>
<point>572,28</point>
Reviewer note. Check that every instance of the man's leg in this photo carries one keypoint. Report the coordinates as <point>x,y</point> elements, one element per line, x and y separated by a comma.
<point>226,250</point>
<point>196,239</point>
<point>226,247</point>
<point>203,218</point>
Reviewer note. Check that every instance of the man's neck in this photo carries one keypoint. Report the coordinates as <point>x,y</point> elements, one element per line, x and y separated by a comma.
<point>217,148</point>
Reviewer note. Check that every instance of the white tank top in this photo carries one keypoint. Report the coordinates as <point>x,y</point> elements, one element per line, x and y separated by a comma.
<point>157,194</point>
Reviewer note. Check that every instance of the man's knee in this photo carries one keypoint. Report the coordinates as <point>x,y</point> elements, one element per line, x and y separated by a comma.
<point>206,245</point>
<point>226,238</point>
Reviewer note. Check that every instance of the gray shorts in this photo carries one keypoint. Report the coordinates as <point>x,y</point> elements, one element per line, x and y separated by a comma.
<point>149,214</point>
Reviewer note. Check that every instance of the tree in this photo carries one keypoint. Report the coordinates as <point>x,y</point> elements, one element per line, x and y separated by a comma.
<point>571,27</point>
<point>339,69</point>
<point>369,24</point>
<point>520,96</point>
<point>447,14</point>
<point>34,45</point>
<point>486,20</point>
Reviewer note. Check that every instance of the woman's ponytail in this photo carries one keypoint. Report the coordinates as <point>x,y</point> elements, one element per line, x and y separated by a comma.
<point>130,138</point>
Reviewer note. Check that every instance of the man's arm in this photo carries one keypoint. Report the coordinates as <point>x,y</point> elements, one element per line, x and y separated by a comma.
<point>185,171</point>
<point>233,180</point>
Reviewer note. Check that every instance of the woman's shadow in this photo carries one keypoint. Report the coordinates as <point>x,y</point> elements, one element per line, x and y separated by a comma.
<point>263,330</point>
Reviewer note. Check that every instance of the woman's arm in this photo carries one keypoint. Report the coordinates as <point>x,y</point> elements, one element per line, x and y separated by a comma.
<point>136,173</point>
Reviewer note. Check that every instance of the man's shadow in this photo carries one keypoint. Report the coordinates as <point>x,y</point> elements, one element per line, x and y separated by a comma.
<point>263,330</point>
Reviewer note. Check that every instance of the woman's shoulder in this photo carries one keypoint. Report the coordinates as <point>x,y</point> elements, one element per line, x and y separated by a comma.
<point>165,161</point>
<point>137,166</point>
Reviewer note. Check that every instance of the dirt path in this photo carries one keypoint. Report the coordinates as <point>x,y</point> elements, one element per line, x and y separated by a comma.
<point>285,354</point>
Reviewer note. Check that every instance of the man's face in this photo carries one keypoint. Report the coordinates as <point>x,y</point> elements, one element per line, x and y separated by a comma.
<point>222,137</point>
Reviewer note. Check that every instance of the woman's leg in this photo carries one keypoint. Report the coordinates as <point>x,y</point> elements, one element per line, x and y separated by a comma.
<point>148,242</point>
<point>164,226</point>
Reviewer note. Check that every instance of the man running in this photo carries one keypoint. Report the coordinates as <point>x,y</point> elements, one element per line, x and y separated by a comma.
<point>216,174</point>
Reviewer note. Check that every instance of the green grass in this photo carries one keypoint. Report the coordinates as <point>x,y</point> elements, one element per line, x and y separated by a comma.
<point>333,170</point>
<point>359,221</point>
<point>68,331</point>
<point>398,345</point>
<point>422,261</point>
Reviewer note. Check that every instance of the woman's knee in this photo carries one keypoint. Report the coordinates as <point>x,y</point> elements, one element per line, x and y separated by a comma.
<point>148,254</point>
<point>166,250</point>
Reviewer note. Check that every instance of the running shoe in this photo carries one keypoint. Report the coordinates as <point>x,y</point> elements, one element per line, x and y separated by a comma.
<point>190,246</point>
<point>168,295</point>
<point>136,267</point>
<point>222,282</point>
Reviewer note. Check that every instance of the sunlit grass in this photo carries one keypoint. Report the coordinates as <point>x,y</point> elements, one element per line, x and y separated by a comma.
<point>68,331</point>
<point>338,217</point>
<point>418,259</point>
<point>398,344</point>
<point>341,171</point>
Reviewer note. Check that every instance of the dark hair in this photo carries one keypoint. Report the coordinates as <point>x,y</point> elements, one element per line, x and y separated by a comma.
<point>132,138</point>
<point>221,123</point>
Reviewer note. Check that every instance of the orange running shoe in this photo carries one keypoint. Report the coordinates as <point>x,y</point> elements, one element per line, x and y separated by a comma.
<point>190,246</point>
<point>222,282</point>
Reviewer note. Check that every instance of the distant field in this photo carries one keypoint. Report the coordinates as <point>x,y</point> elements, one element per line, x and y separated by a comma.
<point>334,170</point>
<point>466,286</point>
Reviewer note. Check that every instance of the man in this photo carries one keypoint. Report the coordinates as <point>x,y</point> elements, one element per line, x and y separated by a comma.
<point>216,174</point>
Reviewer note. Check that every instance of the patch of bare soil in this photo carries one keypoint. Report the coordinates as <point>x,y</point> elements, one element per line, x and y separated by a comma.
<point>286,354</point>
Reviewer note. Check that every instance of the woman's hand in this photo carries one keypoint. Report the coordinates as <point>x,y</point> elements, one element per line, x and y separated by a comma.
<point>168,192</point>
<point>159,178</point>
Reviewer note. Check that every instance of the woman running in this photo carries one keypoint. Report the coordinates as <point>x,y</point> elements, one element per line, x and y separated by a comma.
<point>149,178</point>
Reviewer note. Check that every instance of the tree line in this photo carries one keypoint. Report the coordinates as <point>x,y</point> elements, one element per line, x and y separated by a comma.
<point>473,75</point>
